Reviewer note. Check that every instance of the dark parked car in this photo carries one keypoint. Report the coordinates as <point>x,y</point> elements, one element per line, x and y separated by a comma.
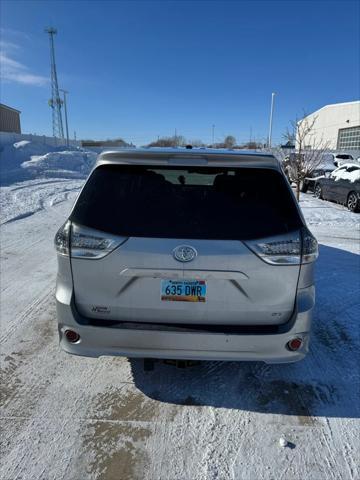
<point>329,161</point>
<point>342,186</point>
<point>309,182</point>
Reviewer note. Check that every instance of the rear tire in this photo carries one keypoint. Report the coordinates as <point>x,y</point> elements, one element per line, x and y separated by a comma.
<point>304,187</point>
<point>352,202</point>
<point>318,192</point>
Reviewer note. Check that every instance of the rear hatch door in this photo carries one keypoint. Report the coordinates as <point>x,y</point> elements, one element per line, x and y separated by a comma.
<point>213,212</point>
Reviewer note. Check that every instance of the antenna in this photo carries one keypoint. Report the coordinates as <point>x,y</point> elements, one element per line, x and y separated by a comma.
<point>55,101</point>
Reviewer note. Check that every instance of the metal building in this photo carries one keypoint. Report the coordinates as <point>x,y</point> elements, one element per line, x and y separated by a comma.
<point>337,126</point>
<point>9,119</point>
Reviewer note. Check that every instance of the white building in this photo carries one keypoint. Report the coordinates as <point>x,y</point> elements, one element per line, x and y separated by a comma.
<point>337,126</point>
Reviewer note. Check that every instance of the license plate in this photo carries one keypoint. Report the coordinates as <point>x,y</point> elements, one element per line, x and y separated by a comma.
<point>183,290</point>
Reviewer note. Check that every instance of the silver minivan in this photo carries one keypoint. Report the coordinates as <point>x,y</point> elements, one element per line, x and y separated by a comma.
<point>187,254</point>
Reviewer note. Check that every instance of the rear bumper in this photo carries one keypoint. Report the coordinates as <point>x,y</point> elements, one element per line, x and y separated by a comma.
<point>154,342</point>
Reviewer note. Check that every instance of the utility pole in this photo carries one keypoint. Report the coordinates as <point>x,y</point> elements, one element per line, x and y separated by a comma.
<point>55,101</point>
<point>212,135</point>
<point>65,92</point>
<point>271,119</point>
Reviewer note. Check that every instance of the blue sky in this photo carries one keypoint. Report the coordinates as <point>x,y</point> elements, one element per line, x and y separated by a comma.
<point>141,69</point>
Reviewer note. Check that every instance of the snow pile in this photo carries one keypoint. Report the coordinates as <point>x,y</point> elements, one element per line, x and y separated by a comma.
<point>353,175</point>
<point>61,164</point>
<point>26,160</point>
<point>21,144</point>
<point>12,155</point>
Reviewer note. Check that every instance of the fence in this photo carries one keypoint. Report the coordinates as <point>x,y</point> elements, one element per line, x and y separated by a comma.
<point>7,137</point>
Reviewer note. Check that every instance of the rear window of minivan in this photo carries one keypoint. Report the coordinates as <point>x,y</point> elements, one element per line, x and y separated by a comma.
<point>187,202</point>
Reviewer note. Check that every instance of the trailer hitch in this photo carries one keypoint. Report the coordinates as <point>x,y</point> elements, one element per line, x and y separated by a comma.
<point>149,363</point>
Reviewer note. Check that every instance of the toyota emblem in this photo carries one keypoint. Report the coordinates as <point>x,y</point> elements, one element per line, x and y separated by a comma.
<point>184,253</point>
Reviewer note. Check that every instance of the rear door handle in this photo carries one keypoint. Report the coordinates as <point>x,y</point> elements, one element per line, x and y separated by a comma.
<point>152,272</point>
<point>190,274</point>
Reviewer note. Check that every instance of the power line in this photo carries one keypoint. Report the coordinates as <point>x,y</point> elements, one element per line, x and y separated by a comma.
<point>65,92</point>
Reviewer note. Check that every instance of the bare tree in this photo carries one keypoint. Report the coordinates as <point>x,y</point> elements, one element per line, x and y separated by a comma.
<point>174,141</point>
<point>117,142</point>
<point>196,142</point>
<point>230,141</point>
<point>251,145</point>
<point>308,152</point>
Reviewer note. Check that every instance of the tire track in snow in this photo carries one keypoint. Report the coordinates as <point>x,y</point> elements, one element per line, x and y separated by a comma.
<point>36,183</point>
<point>34,308</point>
<point>50,413</point>
<point>28,199</point>
<point>19,217</point>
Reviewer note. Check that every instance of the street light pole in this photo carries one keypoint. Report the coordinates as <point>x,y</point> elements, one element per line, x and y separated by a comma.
<point>271,119</point>
<point>66,117</point>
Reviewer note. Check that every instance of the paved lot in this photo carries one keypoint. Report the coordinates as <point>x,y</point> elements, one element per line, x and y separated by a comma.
<point>66,417</point>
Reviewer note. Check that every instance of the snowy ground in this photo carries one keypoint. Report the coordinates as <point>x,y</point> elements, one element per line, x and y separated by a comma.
<point>26,160</point>
<point>73,418</point>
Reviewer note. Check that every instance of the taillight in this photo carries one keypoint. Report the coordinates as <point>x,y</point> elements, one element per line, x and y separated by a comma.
<point>82,242</point>
<point>289,249</point>
<point>88,243</point>
<point>310,249</point>
<point>72,336</point>
<point>62,239</point>
<point>294,344</point>
<point>284,250</point>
